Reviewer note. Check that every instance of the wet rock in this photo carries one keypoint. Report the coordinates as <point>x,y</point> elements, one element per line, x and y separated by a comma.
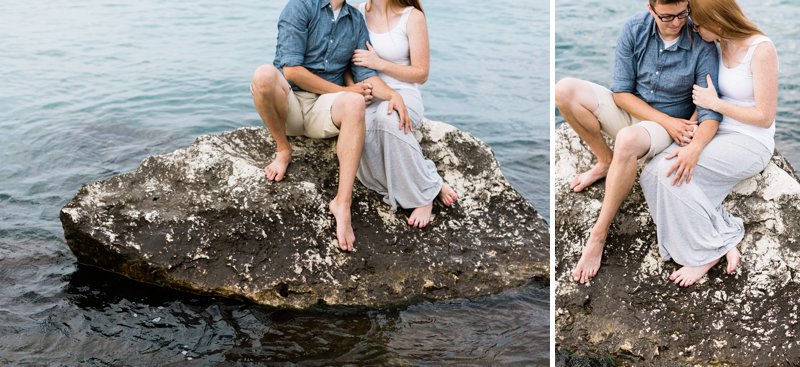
<point>631,313</point>
<point>205,219</point>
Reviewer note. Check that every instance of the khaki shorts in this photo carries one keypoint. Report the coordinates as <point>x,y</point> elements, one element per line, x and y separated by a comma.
<point>613,119</point>
<point>310,114</point>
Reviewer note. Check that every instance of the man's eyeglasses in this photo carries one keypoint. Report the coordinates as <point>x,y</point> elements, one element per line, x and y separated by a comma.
<point>670,17</point>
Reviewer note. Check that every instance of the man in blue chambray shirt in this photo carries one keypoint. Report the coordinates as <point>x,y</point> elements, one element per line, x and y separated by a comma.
<point>649,106</point>
<point>303,92</point>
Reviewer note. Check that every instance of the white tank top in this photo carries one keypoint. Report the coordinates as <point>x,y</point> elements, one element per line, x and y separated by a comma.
<point>393,46</point>
<point>736,87</point>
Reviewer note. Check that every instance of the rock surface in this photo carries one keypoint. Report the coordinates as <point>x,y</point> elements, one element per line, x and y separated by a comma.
<point>205,219</point>
<point>632,314</point>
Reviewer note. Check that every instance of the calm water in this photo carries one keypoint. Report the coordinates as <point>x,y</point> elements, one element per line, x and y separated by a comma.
<point>586,33</point>
<point>89,89</point>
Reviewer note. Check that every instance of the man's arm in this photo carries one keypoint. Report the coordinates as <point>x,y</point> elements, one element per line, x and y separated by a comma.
<point>291,50</point>
<point>623,85</point>
<point>311,82</point>
<point>680,130</point>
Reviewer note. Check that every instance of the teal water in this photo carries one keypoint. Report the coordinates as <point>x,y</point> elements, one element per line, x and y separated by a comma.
<point>89,89</point>
<point>586,33</point>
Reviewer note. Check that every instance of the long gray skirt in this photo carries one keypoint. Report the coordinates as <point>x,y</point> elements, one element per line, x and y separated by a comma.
<point>692,226</point>
<point>392,162</point>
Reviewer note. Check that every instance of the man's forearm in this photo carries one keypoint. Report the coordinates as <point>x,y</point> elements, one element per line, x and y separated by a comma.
<point>309,81</point>
<point>639,109</point>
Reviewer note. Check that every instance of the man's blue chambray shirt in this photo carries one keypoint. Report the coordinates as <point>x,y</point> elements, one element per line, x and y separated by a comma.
<point>308,36</point>
<point>664,77</point>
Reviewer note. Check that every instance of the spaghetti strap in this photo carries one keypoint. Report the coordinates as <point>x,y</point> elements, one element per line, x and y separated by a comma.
<point>750,51</point>
<point>404,18</point>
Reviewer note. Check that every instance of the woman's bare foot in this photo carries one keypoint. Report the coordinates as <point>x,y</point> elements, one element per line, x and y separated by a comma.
<point>344,229</point>
<point>689,275</point>
<point>590,260</point>
<point>276,170</point>
<point>421,216</point>
<point>447,195</point>
<point>586,179</point>
<point>733,257</point>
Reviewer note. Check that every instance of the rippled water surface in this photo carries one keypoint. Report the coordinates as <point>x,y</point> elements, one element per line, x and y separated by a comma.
<point>89,89</point>
<point>586,33</point>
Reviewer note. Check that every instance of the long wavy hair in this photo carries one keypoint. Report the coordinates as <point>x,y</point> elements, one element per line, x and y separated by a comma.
<point>398,4</point>
<point>723,17</point>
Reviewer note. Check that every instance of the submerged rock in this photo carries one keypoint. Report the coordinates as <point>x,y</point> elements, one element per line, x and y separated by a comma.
<point>632,314</point>
<point>205,219</point>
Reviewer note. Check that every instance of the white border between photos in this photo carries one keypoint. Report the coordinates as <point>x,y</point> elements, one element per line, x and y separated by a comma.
<point>552,120</point>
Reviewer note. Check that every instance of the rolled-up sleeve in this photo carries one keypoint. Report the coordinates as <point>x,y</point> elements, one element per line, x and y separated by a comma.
<point>707,64</point>
<point>361,73</point>
<point>624,79</point>
<point>292,34</point>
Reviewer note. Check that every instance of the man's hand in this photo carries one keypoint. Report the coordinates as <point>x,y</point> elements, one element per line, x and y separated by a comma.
<point>396,103</point>
<point>685,164</point>
<point>681,131</point>
<point>362,88</point>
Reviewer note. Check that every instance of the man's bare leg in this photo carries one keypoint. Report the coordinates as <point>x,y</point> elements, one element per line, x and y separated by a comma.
<point>577,102</point>
<point>632,143</point>
<point>347,113</point>
<point>270,93</point>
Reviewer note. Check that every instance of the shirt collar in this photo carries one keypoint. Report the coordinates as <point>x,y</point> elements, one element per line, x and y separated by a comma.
<point>344,10</point>
<point>684,40</point>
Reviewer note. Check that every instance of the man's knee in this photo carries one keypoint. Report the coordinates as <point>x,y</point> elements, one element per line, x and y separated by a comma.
<point>266,80</point>
<point>352,107</point>
<point>564,90</point>
<point>631,142</point>
<point>571,93</point>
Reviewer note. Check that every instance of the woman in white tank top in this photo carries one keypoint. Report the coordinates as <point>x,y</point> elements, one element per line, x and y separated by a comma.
<point>694,229</point>
<point>392,162</point>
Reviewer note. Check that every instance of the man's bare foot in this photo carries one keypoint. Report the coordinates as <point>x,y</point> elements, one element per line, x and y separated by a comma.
<point>421,216</point>
<point>733,257</point>
<point>276,170</point>
<point>344,229</point>
<point>586,179</point>
<point>589,263</point>
<point>689,275</point>
<point>447,195</point>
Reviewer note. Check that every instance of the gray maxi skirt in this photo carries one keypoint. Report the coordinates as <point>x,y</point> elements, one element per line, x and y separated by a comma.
<point>692,226</point>
<point>392,162</point>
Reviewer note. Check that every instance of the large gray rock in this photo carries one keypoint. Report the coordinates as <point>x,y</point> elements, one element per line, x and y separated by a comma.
<point>205,219</point>
<point>632,314</point>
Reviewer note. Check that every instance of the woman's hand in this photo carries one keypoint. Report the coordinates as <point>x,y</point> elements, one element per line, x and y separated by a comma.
<point>685,164</point>
<point>706,97</point>
<point>396,103</point>
<point>368,58</point>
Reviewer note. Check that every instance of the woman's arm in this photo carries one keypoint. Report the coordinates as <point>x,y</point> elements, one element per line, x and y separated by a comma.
<point>419,52</point>
<point>689,155</point>
<point>765,90</point>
